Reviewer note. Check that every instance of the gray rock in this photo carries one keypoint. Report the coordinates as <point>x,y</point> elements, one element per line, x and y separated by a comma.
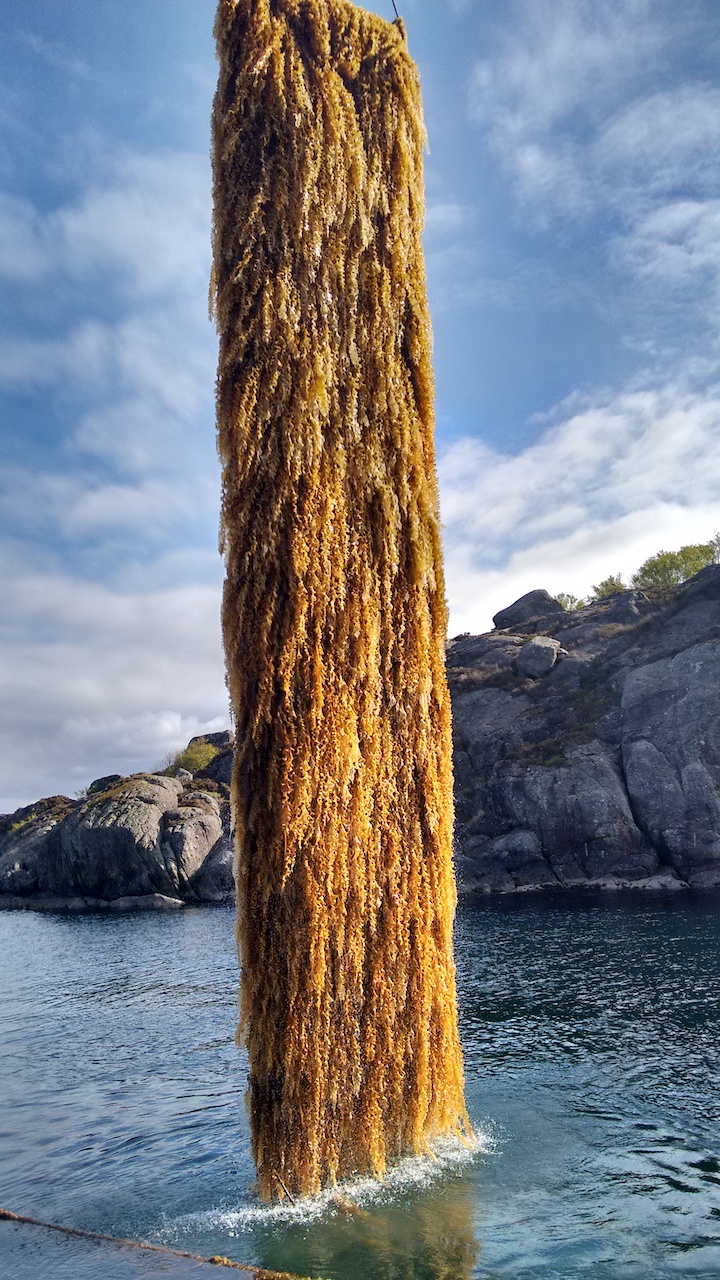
<point>191,832</point>
<point>222,741</point>
<point>476,661</point>
<point>538,657</point>
<point>219,769</point>
<point>149,835</point>
<point>104,784</point>
<point>704,585</point>
<point>146,902</point>
<point>491,652</point>
<point>671,752</point>
<point>507,863</point>
<point>43,902</point>
<point>706,877</point>
<point>605,773</point>
<point>534,604</point>
<point>214,881</point>
<point>113,845</point>
<point>25,837</point>
<point>663,883</point>
<point>58,902</point>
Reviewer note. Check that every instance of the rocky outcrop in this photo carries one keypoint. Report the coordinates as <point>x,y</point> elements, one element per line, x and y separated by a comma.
<point>603,770</point>
<point>114,845</point>
<point>214,882</point>
<point>538,657</point>
<point>670,738</point>
<point>24,836</point>
<point>219,769</point>
<point>536,604</point>
<point>587,755</point>
<point>143,842</point>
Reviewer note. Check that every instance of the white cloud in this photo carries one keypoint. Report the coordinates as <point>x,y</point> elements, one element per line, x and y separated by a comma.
<point>135,391</point>
<point>149,221</point>
<point>446,217</point>
<point>110,640</point>
<point>85,355</point>
<point>678,245</point>
<point>56,54</point>
<point>566,105</point>
<point>562,68</point>
<point>151,506</point>
<point>141,388</point>
<point>664,140</point>
<point>143,220</point>
<point>569,105</point>
<point>161,369</point>
<point>83,510</point>
<point>99,681</point>
<point>123,740</point>
<point>607,485</point>
<point>22,256</point>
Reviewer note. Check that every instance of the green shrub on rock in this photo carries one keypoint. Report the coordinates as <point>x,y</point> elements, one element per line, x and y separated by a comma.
<point>608,587</point>
<point>196,756</point>
<point>569,601</point>
<point>670,568</point>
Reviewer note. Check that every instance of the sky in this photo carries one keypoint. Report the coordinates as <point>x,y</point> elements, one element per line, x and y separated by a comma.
<point>573,254</point>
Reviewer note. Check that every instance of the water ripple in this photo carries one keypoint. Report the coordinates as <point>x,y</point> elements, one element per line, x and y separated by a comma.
<point>592,1039</point>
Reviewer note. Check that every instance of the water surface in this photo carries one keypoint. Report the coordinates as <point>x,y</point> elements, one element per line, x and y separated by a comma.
<point>591,1035</point>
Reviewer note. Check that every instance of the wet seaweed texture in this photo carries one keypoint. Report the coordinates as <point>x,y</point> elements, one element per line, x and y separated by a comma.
<point>334,611</point>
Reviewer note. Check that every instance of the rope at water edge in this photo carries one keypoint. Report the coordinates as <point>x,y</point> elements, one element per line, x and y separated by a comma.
<point>260,1273</point>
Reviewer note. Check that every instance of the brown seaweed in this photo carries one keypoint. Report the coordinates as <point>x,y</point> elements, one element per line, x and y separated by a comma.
<point>334,613</point>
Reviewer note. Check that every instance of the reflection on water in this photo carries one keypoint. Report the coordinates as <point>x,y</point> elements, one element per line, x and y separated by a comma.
<point>593,1064</point>
<point>418,1220</point>
<point>430,1235</point>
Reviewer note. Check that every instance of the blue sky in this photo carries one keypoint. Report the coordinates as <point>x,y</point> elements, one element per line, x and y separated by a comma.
<point>573,247</point>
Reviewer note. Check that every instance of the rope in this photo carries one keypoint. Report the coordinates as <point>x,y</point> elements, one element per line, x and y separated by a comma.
<point>260,1273</point>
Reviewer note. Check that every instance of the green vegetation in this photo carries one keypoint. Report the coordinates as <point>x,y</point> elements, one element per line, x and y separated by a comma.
<point>608,587</point>
<point>660,572</point>
<point>669,568</point>
<point>568,600</point>
<point>23,822</point>
<point>194,757</point>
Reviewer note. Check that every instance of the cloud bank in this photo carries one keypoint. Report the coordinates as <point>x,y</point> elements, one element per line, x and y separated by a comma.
<point>613,480</point>
<point>568,103</point>
<point>108,567</point>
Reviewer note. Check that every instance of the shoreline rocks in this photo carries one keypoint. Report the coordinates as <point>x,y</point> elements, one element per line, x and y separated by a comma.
<point>144,902</point>
<point>147,842</point>
<point>586,755</point>
<point>603,771</point>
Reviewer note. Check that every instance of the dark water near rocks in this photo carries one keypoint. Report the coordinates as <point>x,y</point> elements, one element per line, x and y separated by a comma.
<point>592,1040</point>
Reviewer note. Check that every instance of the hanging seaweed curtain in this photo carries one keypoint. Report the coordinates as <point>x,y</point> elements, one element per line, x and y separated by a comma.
<point>334,612</point>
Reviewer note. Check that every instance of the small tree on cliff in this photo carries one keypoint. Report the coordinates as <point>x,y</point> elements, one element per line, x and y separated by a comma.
<point>608,587</point>
<point>569,601</point>
<point>669,568</point>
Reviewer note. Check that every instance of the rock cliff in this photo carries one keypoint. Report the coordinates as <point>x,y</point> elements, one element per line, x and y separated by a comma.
<point>587,743</point>
<point>144,841</point>
<point>587,755</point>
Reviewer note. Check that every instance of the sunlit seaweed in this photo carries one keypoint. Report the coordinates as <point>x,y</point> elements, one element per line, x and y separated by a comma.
<point>334,613</point>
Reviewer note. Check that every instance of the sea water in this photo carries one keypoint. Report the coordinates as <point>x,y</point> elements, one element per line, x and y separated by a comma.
<point>591,1030</point>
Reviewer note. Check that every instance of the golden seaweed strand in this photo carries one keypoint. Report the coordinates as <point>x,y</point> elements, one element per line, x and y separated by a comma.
<point>334,613</point>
